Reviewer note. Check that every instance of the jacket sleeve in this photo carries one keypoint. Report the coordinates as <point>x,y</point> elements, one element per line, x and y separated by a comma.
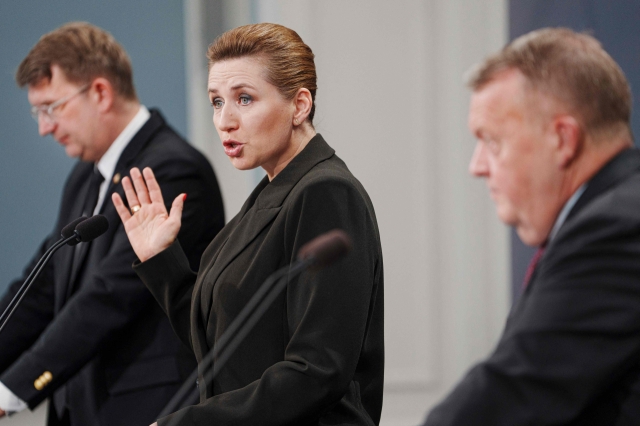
<point>171,280</point>
<point>326,317</point>
<point>576,335</point>
<point>109,299</point>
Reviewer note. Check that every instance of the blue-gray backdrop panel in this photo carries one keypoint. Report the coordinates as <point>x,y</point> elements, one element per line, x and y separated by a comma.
<point>33,169</point>
<point>615,24</point>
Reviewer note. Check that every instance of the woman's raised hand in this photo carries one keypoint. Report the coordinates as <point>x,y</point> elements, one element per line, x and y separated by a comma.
<point>149,228</point>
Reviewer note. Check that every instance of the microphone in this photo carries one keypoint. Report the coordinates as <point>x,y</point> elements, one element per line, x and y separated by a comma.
<point>82,229</point>
<point>326,248</point>
<point>90,229</point>
<point>70,229</point>
<point>318,253</point>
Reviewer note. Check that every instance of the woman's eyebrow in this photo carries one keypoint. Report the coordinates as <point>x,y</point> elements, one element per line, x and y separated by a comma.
<point>235,87</point>
<point>242,86</point>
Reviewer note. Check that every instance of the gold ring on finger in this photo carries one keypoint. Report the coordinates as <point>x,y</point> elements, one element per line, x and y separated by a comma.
<point>134,209</point>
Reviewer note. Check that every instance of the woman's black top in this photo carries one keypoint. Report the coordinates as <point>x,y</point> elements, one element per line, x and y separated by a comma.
<point>317,356</point>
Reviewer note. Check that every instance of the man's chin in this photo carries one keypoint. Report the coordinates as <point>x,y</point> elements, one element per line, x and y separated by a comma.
<point>530,236</point>
<point>527,234</point>
<point>73,152</point>
<point>506,215</point>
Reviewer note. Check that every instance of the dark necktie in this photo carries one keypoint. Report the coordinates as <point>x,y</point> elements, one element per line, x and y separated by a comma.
<point>532,265</point>
<point>91,199</point>
<point>89,205</point>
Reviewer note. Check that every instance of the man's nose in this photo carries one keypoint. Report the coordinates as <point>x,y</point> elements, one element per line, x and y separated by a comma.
<point>479,166</point>
<point>45,125</point>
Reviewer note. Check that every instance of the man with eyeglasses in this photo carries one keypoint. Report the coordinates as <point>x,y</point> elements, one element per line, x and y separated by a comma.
<point>88,334</point>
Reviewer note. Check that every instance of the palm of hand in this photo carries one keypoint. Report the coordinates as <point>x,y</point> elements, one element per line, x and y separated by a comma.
<point>150,230</point>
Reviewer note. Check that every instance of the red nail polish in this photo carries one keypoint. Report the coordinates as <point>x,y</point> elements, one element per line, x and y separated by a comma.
<point>184,198</point>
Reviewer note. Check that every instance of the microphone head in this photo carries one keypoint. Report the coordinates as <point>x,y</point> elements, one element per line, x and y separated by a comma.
<point>326,248</point>
<point>92,228</point>
<point>69,230</point>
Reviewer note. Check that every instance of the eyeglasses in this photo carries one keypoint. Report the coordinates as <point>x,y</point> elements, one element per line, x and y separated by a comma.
<point>47,111</point>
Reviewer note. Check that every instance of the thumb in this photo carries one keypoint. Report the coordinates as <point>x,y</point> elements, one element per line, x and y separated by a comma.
<point>177,207</point>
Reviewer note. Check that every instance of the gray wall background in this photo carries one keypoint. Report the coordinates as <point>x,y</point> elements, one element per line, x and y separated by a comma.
<point>33,169</point>
<point>615,25</point>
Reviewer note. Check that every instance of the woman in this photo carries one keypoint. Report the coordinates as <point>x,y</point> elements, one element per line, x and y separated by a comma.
<point>317,355</point>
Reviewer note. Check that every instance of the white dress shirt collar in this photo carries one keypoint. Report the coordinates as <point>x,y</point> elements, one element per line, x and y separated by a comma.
<point>565,211</point>
<point>107,164</point>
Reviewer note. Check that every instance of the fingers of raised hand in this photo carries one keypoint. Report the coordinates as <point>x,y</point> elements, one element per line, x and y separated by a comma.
<point>140,186</point>
<point>122,210</point>
<point>129,192</point>
<point>176,208</point>
<point>152,184</point>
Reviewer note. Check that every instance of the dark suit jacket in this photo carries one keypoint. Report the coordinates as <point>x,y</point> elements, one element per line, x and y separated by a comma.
<point>97,329</point>
<point>317,355</point>
<point>570,352</point>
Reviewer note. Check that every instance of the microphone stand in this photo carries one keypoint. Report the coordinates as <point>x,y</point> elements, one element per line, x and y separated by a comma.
<point>78,231</point>
<point>235,334</point>
<point>17,298</point>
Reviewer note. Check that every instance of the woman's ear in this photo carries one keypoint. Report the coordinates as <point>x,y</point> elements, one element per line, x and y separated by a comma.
<point>302,102</point>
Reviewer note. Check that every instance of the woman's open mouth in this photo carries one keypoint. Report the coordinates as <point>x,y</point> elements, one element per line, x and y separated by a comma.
<point>233,148</point>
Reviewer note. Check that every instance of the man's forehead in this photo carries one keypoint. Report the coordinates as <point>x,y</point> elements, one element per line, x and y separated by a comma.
<point>49,89</point>
<point>499,96</point>
<point>42,90</point>
<point>504,85</point>
<point>40,84</point>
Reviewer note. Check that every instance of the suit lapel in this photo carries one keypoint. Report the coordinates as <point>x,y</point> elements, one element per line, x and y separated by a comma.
<point>268,201</point>
<point>198,323</point>
<point>260,209</point>
<point>130,153</point>
<point>69,271</point>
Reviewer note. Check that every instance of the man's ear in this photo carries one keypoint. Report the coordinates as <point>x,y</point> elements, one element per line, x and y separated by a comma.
<point>102,94</point>
<point>570,139</point>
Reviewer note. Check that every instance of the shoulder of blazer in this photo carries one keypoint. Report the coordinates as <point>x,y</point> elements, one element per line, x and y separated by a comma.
<point>609,221</point>
<point>334,171</point>
<point>611,201</point>
<point>621,167</point>
<point>158,143</point>
<point>154,124</point>
<point>272,194</point>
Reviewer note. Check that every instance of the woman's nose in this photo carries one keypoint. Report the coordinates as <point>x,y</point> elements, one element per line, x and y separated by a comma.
<point>227,119</point>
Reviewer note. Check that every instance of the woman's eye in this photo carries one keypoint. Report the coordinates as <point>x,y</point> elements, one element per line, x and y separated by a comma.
<point>245,100</point>
<point>217,103</point>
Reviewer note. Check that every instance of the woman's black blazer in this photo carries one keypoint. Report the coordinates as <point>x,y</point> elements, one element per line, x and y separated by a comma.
<point>317,355</point>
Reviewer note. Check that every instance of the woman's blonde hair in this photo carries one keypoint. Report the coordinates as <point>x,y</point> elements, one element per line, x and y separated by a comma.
<point>287,59</point>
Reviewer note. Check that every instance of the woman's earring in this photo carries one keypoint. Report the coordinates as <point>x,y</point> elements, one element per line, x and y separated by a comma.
<point>295,122</point>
